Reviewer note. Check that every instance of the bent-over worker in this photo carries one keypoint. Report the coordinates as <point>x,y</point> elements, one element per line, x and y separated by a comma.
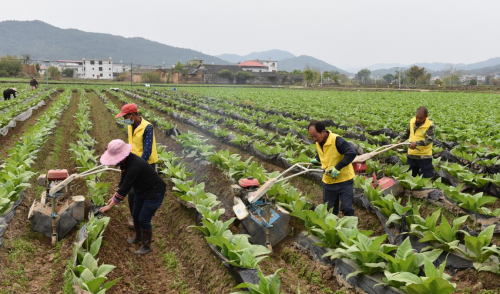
<point>149,190</point>
<point>8,92</point>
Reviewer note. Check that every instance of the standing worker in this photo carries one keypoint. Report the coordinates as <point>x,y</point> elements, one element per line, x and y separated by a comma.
<point>149,189</point>
<point>33,83</point>
<point>335,155</point>
<point>141,137</point>
<point>8,92</point>
<point>421,135</point>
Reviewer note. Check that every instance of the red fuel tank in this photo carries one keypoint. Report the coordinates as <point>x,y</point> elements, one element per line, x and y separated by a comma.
<point>57,174</point>
<point>248,182</point>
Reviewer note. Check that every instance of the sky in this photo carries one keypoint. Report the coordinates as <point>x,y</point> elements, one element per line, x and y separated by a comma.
<point>347,33</point>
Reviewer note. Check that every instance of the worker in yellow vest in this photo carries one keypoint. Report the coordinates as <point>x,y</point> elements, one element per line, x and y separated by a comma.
<point>335,155</point>
<point>141,137</point>
<point>420,133</point>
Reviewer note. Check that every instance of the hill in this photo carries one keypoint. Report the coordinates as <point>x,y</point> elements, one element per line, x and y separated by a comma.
<point>46,42</point>
<point>274,54</point>
<point>303,61</point>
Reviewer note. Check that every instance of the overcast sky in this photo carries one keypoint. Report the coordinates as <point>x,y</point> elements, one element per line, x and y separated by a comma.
<point>348,33</point>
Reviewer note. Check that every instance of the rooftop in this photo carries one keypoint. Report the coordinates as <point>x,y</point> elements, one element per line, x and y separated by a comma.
<point>251,63</point>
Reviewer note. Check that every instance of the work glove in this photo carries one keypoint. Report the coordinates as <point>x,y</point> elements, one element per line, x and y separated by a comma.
<point>334,173</point>
<point>314,161</point>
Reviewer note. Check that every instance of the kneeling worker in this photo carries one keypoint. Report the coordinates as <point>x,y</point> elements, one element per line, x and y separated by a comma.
<point>148,186</point>
<point>335,155</point>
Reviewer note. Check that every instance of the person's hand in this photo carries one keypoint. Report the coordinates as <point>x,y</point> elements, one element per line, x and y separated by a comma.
<point>314,161</point>
<point>334,173</point>
<point>413,145</point>
<point>105,208</point>
<point>109,205</point>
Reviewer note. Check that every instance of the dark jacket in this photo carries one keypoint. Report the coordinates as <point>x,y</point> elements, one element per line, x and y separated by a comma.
<point>8,92</point>
<point>34,83</point>
<point>138,174</point>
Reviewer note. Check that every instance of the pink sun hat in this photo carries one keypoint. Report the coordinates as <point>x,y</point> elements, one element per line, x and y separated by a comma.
<point>117,151</point>
<point>15,89</point>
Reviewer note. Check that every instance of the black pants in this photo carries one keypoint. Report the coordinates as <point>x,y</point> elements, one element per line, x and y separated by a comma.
<point>131,194</point>
<point>421,167</point>
<point>344,192</point>
<point>5,98</point>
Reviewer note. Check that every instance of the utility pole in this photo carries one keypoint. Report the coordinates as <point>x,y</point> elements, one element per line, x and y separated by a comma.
<point>131,74</point>
<point>399,78</point>
<point>47,71</point>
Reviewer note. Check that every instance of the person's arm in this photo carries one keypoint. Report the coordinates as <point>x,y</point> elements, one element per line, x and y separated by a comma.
<point>344,148</point>
<point>14,94</point>
<point>147,142</point>
<point>406,135</point>
<point>126,183</point>
<point>429,137</point>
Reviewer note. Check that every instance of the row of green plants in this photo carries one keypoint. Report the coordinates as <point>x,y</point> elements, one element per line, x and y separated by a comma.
<point>86,272</point>
<point>19,107</point>
<point>4,104</point>
<point>365,109</point>
<point>84,153</point>
<point>15,171</point>
<point>467,152</point>
<point>445,236</point>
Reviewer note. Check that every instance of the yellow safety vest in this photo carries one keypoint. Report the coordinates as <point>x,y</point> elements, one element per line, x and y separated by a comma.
<point>330,157</point>
<point>419,135</point>
<point>136,140</point>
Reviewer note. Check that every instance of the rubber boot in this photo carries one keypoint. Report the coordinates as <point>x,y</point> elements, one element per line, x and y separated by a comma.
<point>137,238</point>
<point>130,223</point>
<point>146,242</point>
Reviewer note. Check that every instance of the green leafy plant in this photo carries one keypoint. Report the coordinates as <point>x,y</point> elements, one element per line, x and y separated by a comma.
<point>413,183</point>
<point>90,277</point>
<point>267,284</point>
<point>238,250</point>
<point>434,281</point>
<point>365,251</point>
<point>406,260</point>
<point>213,228</point>
<point>445,235</point>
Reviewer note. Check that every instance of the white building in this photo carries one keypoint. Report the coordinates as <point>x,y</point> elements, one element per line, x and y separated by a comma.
<point>76,65</point>
<point>272,65</point>
<point>98,69</point>
<point>253,66</point>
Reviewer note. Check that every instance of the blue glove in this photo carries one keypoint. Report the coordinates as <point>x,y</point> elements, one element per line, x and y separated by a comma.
<point>314,161</point>
<point>334,173</point>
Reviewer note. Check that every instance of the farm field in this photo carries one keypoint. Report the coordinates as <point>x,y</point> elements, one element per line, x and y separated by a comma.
<point>211,138</point>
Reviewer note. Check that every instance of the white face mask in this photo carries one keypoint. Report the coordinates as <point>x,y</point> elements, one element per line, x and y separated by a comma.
<point>129,121</point>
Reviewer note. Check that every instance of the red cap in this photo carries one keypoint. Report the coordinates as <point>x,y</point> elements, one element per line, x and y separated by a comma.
<point>127,108</point>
